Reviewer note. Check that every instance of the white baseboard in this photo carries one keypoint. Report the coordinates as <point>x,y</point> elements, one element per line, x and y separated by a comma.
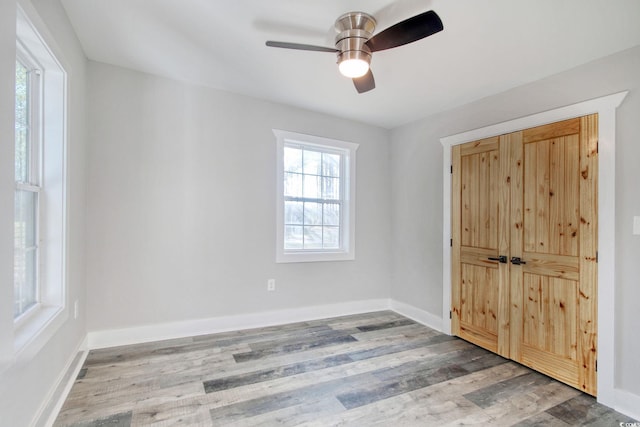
<point>171,330</point>
<point>417,314</point>
<point>627,403</point>
<point>48,412</point>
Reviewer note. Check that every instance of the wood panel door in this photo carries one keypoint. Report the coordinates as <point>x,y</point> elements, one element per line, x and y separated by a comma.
<point>545,296</point>
<point>554,233</point>
<point>480,236</point>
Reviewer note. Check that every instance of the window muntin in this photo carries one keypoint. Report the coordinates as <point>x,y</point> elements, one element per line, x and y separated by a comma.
<point>27,184</point>
<point>316,189</point>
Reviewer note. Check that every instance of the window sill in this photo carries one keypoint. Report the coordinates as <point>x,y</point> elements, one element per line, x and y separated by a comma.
<point>33,333</point>
<point>293,256</point>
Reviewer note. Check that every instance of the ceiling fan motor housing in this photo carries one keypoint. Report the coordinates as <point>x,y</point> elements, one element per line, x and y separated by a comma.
<point>354,29</point>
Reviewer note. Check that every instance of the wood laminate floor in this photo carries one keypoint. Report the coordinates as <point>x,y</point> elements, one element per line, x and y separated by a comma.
<point>362,370</point>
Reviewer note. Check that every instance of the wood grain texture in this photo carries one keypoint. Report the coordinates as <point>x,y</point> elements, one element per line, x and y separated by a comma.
<point>531,195</point>
<point>552,130</point>
<point>588,294</point>
<point>557,313</point>
<point>503,190</point>
<point>456,239</point>
<point>519,216</point>
<point>479,302</point>
<point>552,198</point>
<point>550,308</point>
<point>561,266</point>
<point>480,282</point>
<point>479,198</point>
<point>480,146</point>
<point>395,372</point>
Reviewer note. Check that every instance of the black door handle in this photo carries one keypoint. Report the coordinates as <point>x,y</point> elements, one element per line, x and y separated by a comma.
<point>517,261</point>
<point>501,258</point>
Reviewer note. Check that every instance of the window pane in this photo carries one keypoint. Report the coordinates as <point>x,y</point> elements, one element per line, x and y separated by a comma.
<point>25,251</point>
<point>331,188</point>
<point>313,237</point>
<point>292,184</point>
<point>312,162</point>
<point>25,219</point>
<point>22,123</point>
<point>292,237</point>
<point>292,159</point>
<point>331,238</point>
<point>312,187</point>
<point>24,284</point>
<point>331,165</point>
<point>312,213</point>
<point>331,214</point>
<point>293,213</point>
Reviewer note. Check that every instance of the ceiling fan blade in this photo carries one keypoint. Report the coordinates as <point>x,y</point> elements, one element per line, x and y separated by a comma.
<point>407,31</point>
<point>298,46</point>
<point>365,83</point>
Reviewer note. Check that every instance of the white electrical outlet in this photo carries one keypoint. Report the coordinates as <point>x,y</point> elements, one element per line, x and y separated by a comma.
<point>76,309</point>
<point>636,225</point>
<point>271,284</point>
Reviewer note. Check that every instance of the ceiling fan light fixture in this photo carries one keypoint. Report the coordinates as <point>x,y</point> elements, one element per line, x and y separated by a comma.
<point>354,64</point>
<point>354,57</point>
<point>353,68</point>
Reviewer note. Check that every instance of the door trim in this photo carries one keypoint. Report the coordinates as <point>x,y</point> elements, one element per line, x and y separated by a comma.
<point>606,108</point>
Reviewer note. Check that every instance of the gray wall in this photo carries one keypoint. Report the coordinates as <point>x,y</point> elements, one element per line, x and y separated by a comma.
<point>181,205</point>
<point>416,182</point>
<point>26,383</point>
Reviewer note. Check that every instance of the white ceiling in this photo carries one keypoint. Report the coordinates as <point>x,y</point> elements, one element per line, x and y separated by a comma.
<point>487,46</point>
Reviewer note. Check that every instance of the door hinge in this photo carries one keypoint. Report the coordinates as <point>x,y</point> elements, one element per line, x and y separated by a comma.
<point>596,256</point>
<point>449,314</point>
<point>451,242</point>
<point>451,168</point>
<point>596,365</point>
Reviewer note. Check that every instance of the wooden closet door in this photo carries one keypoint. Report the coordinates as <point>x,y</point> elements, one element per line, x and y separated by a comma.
<point>554,233</point>
<point>531,198</point>
<point>480,236</point>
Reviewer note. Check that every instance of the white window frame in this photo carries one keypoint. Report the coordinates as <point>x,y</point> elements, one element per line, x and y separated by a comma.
<point>36,326</point>
<point>347,150</point>
<point>34,175</point>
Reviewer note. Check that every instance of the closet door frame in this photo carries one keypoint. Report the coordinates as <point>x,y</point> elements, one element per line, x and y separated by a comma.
<point>605,107</point>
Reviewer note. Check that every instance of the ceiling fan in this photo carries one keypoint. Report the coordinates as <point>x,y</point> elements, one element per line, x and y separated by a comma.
<point>355,44</point>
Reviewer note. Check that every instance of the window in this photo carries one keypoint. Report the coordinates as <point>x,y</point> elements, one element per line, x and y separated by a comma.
<point>316,194</point>
<point>27,178</point>
<point>40,189</point>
